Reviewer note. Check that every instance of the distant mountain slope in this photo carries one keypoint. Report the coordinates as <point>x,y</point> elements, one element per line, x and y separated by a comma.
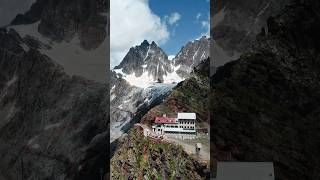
<point>191,55</point>
<point>265,106</point>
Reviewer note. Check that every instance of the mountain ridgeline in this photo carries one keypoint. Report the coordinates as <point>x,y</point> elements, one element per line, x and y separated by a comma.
<point>191,55</point>
<point>151,59</point>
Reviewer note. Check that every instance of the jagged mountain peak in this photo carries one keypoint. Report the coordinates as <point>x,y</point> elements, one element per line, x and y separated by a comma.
<point>149,61</point>
<point>191,55</point>
<point>145,43</point>
<point>146,60</point>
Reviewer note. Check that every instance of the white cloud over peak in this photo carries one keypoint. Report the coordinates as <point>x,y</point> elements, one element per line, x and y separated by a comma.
<point>131,22</point>
<point>206,26</point>
<point>173,18</point>
<point>170,57</point>
<point>198,16</point>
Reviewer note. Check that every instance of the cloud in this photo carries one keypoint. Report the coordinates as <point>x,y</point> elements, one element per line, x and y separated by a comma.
<point>173,18</point>
<point>198,16</point>
<point>206,25</point>
<point>170,57</point>
<point>131,22</point>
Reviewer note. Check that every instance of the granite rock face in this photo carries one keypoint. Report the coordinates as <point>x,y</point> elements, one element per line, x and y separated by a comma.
<point>265,105</point>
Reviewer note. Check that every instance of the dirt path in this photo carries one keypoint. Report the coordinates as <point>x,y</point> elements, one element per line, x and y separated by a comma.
<point>189,147</point>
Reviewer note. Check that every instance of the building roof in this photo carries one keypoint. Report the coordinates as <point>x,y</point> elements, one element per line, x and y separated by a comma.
<point>186,115</point>
<point>245,170</point>
<point>165,120</point>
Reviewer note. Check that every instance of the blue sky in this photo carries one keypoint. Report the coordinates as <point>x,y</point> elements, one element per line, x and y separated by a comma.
<point>170,23</point>
<point>192,24</point>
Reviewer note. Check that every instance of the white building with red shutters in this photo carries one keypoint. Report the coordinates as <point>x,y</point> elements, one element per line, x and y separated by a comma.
<point>185,123</point>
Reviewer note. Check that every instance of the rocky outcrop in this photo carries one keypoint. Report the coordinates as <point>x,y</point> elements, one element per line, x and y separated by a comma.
<point>52,126</point>
<point>265,106</point>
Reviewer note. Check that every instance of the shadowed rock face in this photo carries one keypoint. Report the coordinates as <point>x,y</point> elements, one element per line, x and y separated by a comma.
<point>62,20</point>
<point>235,25</point>
<point>51,124</point>
<point>72,33</point>
<point>265,106</point>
